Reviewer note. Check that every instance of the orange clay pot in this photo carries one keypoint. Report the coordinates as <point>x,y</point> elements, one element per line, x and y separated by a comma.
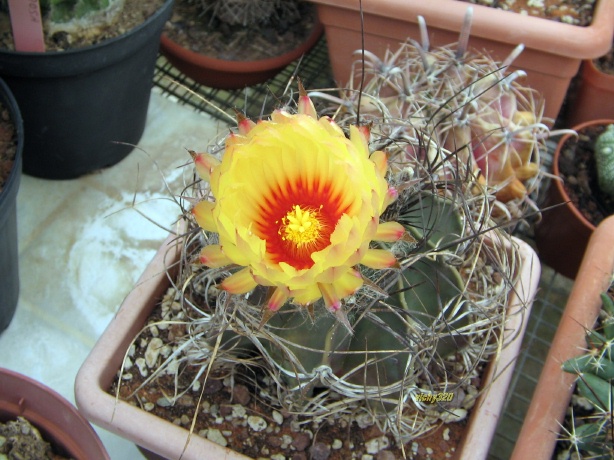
<point>542,423</point>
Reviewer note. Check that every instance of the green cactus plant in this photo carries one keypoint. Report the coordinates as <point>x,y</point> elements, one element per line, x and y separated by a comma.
<point>604,160</point>
<point>466,102</point>
<point>404,296</point>
<point>592,435</point>
<point>80,18</point>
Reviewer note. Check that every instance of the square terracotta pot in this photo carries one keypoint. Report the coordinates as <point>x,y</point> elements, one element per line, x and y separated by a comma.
<point>553,50</point>
<point>169,441</point>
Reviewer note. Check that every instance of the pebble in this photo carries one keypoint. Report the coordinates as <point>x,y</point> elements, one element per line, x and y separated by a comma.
<point>153,351</point>
<point>240,394</point>
<point>385,455</point>
<point>337,444</point>
<point>374,445</point>
<point>217,437</point>
<point>238,411</point>
<point>319,451</point>
<point>301,441</point>
<point>256,423</point>
<point>142,365</point>
<point>279,419</point>
<point>454,415</point>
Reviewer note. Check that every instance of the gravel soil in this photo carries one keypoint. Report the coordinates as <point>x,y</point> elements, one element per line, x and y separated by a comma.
<point>234,413</point>
<point>8,145</point>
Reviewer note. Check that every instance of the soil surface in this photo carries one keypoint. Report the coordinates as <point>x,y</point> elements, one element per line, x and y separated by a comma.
<point>606,63</point>
<point>233,413</point>
<point>135,12</point>
<point>208,35</point>
<point>8,145</point>
<point>21,440</point>
<point>576,12</point>
<point>579,174</point>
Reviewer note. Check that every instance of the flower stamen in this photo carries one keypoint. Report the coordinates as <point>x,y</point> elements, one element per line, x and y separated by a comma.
<point>301,226</point>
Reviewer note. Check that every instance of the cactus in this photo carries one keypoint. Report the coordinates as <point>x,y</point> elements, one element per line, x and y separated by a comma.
<point>356,265</point>
<point>591,435</point>
<point>604,159</point>
<point>466,102</point>
<point>249,13</point>
<point>80,18</point>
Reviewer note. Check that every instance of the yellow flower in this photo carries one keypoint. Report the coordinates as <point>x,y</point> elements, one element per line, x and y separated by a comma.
<point>297,204</point>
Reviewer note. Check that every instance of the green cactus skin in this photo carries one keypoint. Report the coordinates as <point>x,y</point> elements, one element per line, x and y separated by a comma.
<point>595,371</point>
<point>66,10</point>
<point>604,159</point>
<point>388,335</point>
<point>80,18</point>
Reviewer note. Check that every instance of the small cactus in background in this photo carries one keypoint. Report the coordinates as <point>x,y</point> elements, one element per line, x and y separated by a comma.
<point>80,17</point>
<point>249,13</point>
<point>464,101</point>
<point>592,436</point>
<point>604,160</point>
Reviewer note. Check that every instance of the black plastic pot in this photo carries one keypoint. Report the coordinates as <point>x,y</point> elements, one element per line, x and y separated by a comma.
<point>9,264</point>
<point>84,109</point>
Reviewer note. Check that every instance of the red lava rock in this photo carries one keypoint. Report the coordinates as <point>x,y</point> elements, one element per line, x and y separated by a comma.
<point>212,386</point>
<point>301,441</point>
<point>240,395</point>
<point>319,451</point>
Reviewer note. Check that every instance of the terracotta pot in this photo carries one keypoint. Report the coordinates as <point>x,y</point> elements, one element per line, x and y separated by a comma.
<point>223,74</point>
<point>167,440</point>
<point>551,398</point>
<point>562,235</point>
<point>594,99</point>
<point>57,419</point>
<point>552,55</point>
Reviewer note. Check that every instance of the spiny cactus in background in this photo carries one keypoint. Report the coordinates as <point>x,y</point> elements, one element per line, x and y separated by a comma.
<point>604,160</point>
<point>592,436</point>
<point>249,13</point>
<point>464,101</point>
<point>80,18</point>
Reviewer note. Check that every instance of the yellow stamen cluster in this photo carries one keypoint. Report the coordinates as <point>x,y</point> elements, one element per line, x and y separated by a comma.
<point>301,226</point>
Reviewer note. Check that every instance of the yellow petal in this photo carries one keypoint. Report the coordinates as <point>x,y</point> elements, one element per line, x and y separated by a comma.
<point>245,124</point>
<point>391,196</point>
<point>389,232</point>
<point>305,105</point>
<point>279,297</point>
<point>204,164</point>
<point>331,299</point>
<point>348,283</point>
<point>213,256</point>
<point>239,282</point>
<point>307,295</point>
<point>378,259</point>
<point>203,213</point>
<point>380,160</point>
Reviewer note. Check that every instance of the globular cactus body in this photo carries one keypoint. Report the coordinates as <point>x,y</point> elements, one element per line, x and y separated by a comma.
<point>604,159</point>
<point>80,18</point>
<point>592,434</point>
